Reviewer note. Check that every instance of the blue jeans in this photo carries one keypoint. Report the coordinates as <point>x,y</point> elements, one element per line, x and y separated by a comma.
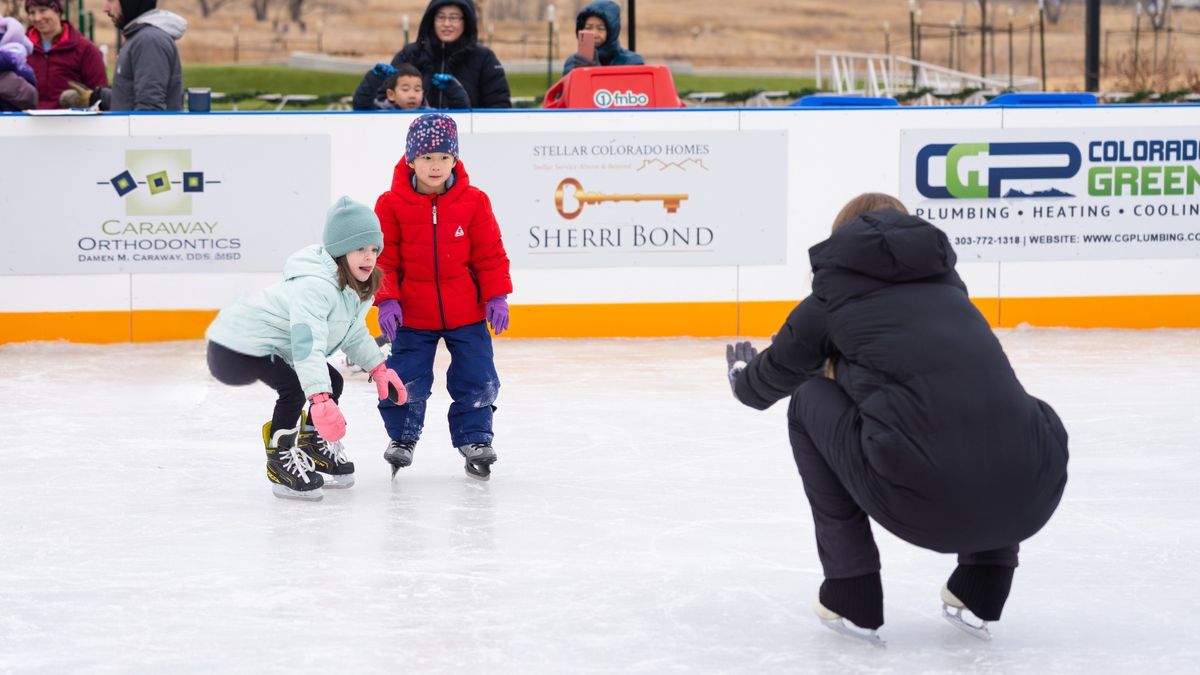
<point>471,381</point>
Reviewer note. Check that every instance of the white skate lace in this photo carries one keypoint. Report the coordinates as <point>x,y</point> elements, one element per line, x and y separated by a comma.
<point>337,451</point>
<point>298,463</point>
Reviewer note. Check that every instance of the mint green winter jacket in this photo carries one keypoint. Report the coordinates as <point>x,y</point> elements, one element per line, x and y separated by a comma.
<point>302,320</point>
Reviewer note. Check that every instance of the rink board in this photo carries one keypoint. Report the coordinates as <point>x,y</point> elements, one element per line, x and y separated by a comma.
<point>828,156</point>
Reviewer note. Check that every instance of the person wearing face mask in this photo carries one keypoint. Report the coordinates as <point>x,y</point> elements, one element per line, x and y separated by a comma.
<point>447,45</point>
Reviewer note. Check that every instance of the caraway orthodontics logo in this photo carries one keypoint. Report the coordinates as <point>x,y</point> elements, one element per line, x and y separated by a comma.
<point>156,188</point>
<point>998,162</point>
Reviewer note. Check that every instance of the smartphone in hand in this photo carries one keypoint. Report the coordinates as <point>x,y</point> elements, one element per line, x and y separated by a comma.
<point>587,45</point>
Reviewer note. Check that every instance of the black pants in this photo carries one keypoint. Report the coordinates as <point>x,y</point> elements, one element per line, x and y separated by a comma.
<point>230,367</point>
<point>824,430</point>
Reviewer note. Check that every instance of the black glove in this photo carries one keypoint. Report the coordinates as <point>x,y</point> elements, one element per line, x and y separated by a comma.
<point>737,356</point>
<point>577,61</point>
<point>383,70</point>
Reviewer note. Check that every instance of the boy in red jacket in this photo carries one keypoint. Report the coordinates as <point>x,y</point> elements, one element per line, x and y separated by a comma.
<point>444,272</point>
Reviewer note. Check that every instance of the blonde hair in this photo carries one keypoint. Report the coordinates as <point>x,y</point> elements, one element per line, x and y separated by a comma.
<point>865,203</point>
<point>364,289</point>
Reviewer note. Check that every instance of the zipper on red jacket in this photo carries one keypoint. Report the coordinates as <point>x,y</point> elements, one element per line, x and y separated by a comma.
<point>437,278</point>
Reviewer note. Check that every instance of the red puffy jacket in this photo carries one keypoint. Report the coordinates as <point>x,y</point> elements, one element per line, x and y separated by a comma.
<point>73,57</point>
<point>443,257</point>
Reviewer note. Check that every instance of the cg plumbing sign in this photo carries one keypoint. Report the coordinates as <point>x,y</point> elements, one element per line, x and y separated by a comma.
<point>619,199</point>
<point>1055,194</point>
<point>165,204</point>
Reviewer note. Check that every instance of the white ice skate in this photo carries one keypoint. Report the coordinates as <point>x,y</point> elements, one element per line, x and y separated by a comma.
<point>952,611</point>
<point>838,624</point>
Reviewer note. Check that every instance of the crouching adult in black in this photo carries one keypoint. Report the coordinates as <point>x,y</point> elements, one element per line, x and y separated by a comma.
<point>905,409</point>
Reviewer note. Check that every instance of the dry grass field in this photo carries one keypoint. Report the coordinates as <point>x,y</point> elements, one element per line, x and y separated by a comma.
<point>777,35</point>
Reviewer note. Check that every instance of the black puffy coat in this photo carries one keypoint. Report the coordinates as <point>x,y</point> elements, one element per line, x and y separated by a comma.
<point>950,438</point>
<point>474,65</point>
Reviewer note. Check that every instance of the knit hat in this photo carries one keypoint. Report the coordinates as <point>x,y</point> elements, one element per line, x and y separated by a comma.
<point>55,5</point>
<point>349,226</point>
<point>430,133</point>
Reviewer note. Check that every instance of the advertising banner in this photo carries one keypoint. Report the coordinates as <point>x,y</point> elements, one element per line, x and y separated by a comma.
<point>177,204</point>
<point>611,199</point>
<point>1057,194</point>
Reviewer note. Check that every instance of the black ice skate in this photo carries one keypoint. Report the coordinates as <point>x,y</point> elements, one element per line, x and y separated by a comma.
<point>480,457</point>
<point>329,458</point>
<point>291,472</point>
<point>399,454</point>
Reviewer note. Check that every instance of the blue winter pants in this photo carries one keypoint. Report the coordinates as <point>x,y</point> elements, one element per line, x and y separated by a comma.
<point>471,381</point>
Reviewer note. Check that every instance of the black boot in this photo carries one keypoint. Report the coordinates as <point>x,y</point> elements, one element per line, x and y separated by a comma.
<point>982,588</point>
<point>329,458</point>
<point>291,471</point>
<point>858,599</point>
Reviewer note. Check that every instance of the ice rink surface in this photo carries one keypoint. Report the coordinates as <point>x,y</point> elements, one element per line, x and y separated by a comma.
<point>639,521</point>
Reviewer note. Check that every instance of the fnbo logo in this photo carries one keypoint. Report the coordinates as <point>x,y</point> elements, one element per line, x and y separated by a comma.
<point>1000,162</point>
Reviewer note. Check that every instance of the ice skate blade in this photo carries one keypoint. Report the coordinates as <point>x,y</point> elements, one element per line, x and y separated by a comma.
<point>955,617</point>
<point>284,492</point>
<point>839,625</point>
<point>339,482</point>
<point>480,473</point>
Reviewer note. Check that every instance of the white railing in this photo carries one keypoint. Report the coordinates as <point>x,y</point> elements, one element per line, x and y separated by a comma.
<point>868,74</point>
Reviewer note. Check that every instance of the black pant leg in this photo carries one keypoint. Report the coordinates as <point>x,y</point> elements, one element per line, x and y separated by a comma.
<point>235,368</point>
<point>337,383</point>
<point>821,427</point>
<point>1001,557</point>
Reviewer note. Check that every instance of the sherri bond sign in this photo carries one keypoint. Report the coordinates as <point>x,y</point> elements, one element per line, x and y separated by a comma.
<point>177,204</point>
<point>1057,194</point>
<point>605,199</point>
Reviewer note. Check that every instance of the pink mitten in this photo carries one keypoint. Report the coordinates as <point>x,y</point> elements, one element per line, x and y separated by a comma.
<point>388,384</point>
<point>326,417</point>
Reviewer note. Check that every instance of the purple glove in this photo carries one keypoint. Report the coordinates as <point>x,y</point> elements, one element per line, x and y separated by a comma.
<point>497,313</point>
<point>390,318</point>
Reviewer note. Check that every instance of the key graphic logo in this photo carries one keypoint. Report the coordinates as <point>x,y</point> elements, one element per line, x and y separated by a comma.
<point>158,182</point>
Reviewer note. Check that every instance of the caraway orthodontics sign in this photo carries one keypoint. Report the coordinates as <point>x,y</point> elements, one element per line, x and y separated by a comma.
<point>1057,194</point>
<point>152,204</point>
<point>612,199</point>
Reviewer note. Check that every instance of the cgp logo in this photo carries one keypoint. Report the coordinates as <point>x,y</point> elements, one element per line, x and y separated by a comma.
<point>604,98</point>
<point>966,165</point>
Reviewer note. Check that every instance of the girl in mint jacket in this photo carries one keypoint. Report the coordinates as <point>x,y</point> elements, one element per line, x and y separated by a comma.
<point>283,336</point>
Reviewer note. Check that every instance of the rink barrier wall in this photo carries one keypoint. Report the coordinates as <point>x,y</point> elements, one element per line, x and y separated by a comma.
<point>831,156</point>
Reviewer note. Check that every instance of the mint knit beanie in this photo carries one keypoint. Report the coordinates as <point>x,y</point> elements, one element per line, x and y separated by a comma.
<point>349,226</point>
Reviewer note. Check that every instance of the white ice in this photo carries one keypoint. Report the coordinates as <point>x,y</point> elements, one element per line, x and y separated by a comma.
<point>639,520</point>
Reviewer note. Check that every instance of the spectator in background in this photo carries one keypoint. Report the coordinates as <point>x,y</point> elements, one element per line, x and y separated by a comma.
<point>403,89</point>
<point>18,86</point>
<point>61,54</point>
<point>447,43</point>
<point>149,74</point>
<point>602,18</point>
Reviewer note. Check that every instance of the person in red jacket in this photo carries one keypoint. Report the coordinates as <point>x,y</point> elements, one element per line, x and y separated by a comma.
<point>61,54</point>
<point>445,272</point>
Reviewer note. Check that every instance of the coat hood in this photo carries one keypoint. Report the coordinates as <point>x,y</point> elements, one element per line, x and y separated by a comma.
<point>171,24</point>
<point>311,261</point>
<point>470,24</point>
<point>879,248</point>
<point>12,32</point>
<point>610,13</point>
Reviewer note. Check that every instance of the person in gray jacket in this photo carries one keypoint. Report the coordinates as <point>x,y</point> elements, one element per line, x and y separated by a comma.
<point>149,74</point>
